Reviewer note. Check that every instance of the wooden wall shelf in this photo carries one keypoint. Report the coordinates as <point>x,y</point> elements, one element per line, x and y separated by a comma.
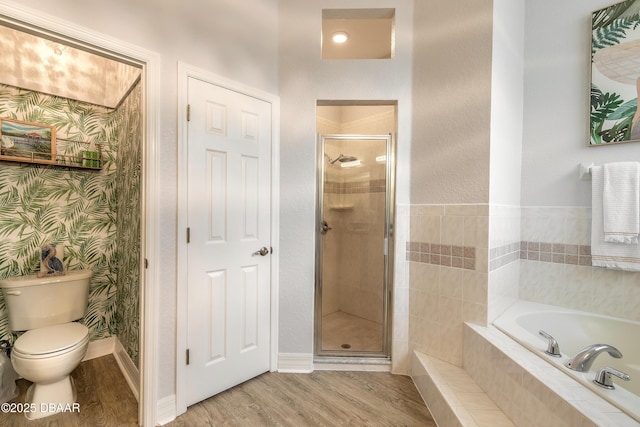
<point>80,159</point>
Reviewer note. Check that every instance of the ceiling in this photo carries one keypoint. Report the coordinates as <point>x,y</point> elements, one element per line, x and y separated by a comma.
<point>39,64</point>
<point>42,64</point>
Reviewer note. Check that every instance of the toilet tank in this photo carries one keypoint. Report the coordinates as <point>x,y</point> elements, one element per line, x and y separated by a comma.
<point>34,302</point>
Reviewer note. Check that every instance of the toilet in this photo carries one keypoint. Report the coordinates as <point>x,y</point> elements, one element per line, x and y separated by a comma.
<point>52,345</point>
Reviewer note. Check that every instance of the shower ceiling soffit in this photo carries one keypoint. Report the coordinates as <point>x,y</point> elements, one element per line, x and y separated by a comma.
<point>39,64</point>
<point>370,31</point>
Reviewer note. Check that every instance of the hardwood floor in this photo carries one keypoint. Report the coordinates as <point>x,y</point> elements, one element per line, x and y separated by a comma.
<point>322,398</point>
<point>104,399</point>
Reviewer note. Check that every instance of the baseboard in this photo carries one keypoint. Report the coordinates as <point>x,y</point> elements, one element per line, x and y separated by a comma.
<point>166,411</point>
<point>112,345</point>
<point>295,363</point>
<point>100,348</point>
<point>129,369</point>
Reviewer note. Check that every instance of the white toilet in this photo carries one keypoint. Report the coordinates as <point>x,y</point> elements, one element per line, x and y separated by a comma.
<point>53,345</point>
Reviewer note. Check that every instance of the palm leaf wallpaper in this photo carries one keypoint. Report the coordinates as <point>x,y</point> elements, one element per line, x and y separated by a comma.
<point>95,215</point>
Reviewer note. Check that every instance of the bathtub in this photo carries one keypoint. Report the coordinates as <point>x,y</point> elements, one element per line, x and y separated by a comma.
<point>575,330</point>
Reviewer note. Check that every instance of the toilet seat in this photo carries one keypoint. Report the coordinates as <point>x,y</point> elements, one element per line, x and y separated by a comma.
<point>51,341</point>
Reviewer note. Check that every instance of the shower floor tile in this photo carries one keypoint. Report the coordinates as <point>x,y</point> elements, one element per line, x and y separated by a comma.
<point>339,329</point>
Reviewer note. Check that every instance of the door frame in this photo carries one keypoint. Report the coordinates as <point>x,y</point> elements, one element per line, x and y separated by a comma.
<point>185,72</point>
<point>41,23</point>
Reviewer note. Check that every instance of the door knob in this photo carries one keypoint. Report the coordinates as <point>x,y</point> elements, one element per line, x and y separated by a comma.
<point>262,252</point>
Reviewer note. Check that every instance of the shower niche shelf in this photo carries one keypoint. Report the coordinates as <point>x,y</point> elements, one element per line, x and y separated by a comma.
<point>341,207</point>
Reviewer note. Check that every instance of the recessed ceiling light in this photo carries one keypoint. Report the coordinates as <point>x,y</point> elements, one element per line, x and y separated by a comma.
<point>340,37</point>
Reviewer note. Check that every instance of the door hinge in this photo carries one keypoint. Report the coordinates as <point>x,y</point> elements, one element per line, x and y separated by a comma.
<point>188,234</point>
<point>188,112</point>
<point>187,356</point>
<point>146,263</point>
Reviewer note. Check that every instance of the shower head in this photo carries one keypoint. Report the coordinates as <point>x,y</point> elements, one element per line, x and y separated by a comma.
<point>341,158</point>
<point>344,159</point>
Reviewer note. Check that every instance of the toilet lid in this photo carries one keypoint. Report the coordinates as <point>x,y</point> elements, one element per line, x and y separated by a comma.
<point>51,339</point>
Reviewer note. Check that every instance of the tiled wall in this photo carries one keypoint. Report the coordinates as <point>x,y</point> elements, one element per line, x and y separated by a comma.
<point>367,186</point>
<point>555,266</point>
<point>447,256</point>
<point>504,266</point>
<point>400,357</point>
<point>470,262</point>
<point>538,254</point>
<point>354,200</point>
<point>353,259</point>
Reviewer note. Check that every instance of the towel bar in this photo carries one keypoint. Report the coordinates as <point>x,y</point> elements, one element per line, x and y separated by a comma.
<point>585,171</point>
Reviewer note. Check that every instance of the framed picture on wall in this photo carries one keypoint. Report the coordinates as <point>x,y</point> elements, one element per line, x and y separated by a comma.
<point>27,142</point>
<point>615,74</point>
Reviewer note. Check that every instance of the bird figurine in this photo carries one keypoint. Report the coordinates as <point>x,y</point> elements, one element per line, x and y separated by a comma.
<point>51,266</point>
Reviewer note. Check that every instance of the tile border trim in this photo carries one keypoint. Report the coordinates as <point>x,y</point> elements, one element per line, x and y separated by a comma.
<point>446,255</point>
<point>465,256</point>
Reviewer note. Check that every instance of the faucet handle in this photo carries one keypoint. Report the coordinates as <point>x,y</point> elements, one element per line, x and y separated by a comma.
<point>553,348</point>
<point>603,377</point>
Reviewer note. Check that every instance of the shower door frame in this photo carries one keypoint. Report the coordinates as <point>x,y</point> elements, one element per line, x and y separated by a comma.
<point>388,247</point>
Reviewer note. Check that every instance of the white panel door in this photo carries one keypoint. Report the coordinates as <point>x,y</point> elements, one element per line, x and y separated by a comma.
<point>229,145</point>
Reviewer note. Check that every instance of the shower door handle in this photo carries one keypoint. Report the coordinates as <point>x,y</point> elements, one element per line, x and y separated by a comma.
<point>324,227</point>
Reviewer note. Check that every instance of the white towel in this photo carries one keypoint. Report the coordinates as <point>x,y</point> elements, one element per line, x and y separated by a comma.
<point>605,254</point>
<point>621,202</point>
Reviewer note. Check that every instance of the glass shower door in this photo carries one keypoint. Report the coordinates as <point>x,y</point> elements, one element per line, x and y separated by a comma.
<point>353,263</point>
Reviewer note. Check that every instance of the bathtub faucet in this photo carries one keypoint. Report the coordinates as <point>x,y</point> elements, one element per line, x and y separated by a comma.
<point>582,361</point>
<point>553,349</point>
<point>603,377</point>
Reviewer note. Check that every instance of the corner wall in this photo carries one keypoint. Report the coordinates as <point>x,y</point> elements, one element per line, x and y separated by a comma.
<point>465,181</point>
<point>556,204</point>
<point>128,223</point>
<point>212,35</point>
<point>73,207</point>
<point>305,78</point>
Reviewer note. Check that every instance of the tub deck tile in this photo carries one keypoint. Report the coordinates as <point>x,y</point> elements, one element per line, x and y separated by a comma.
<point>542,394</point>
<point>453,397</point>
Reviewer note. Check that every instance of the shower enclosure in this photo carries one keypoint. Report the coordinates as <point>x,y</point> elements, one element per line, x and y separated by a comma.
<point>354,245</point>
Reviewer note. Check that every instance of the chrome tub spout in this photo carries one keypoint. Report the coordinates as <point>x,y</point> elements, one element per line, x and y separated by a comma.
<point>582,361</point>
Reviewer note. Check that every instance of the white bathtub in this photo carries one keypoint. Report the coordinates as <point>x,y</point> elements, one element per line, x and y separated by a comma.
<point>575,330</point>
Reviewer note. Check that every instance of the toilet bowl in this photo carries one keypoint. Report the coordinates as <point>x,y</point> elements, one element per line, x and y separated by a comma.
<point>46,357</point>
<point>52,344</point>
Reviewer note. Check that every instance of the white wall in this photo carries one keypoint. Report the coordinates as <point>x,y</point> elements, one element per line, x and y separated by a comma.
<point>304,79</point>
<point>507,81</point>
<point>451,101</point>
<point>556,104</point>
<point>237,40</point>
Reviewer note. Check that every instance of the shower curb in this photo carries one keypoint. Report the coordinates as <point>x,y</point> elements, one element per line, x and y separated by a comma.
<point>352,364</point>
